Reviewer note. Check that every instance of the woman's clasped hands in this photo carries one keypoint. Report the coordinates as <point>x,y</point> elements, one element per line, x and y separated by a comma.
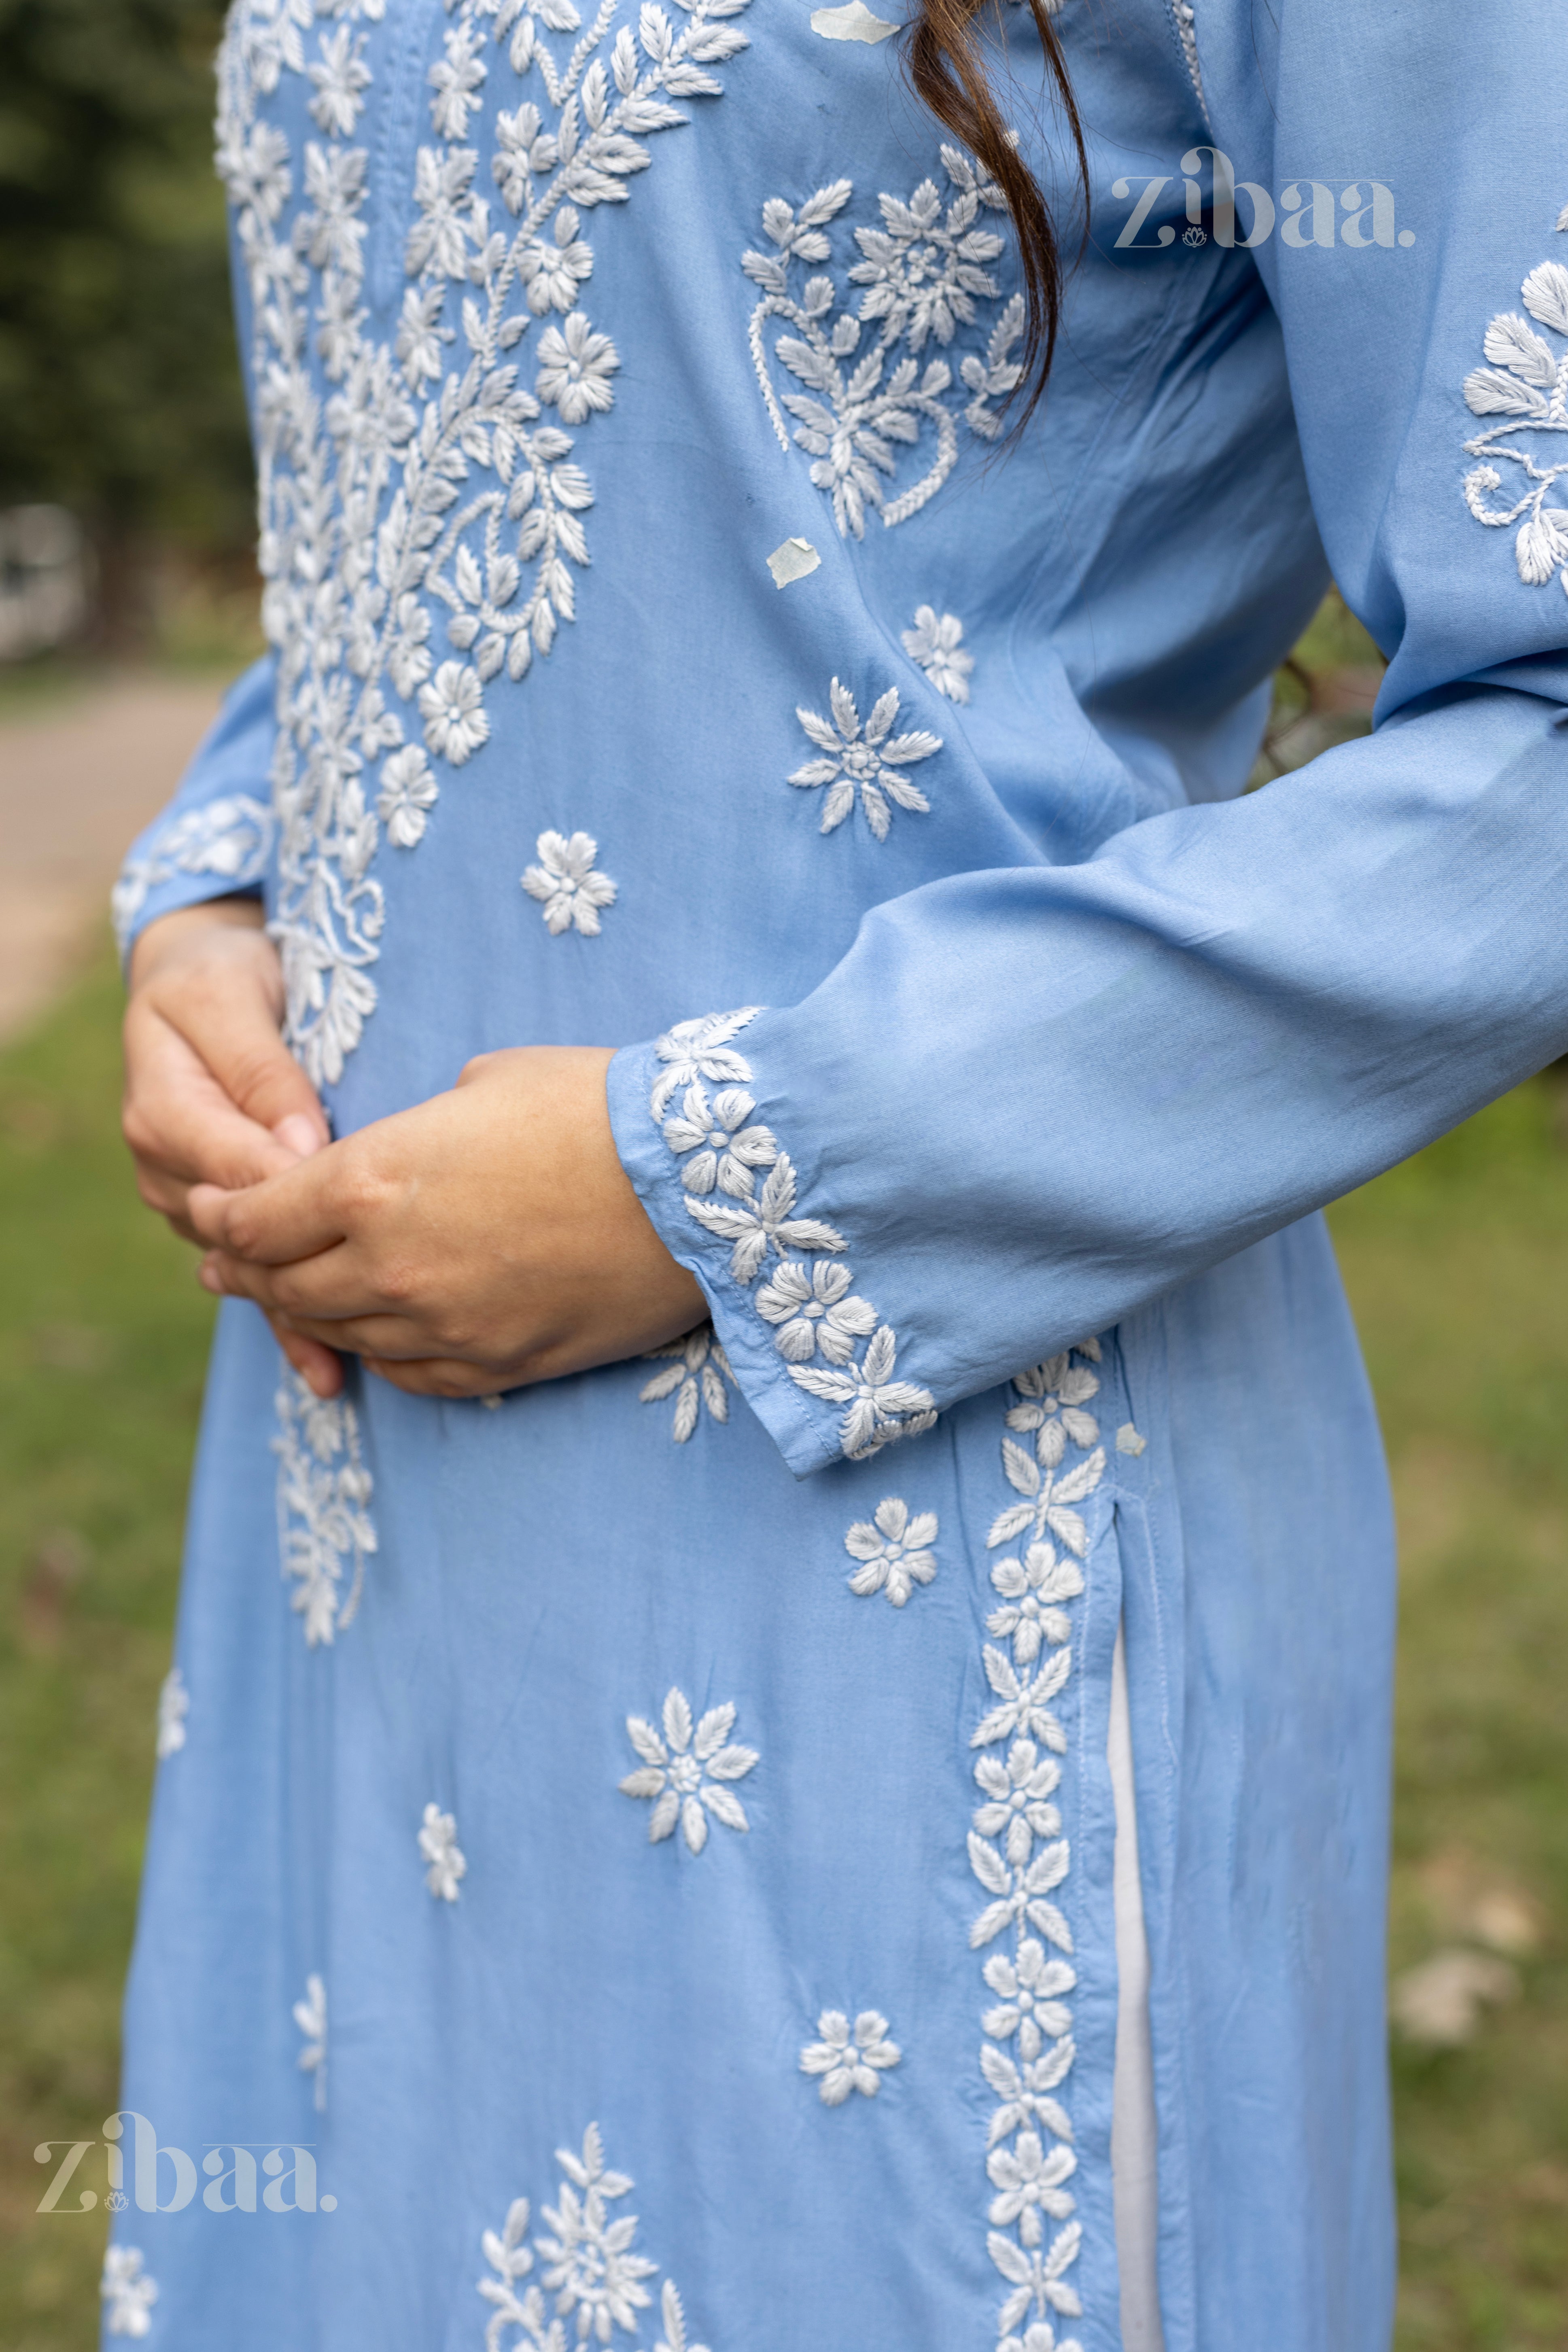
<point>484,1239</point>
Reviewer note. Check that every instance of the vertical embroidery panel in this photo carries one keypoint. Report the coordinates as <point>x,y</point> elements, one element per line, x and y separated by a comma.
<point>424,482</point>
<point>1019,1855</point>
<point>323,1491</point>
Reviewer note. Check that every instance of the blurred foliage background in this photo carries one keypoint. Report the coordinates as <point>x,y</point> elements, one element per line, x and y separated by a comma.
<point>119,393</point>
<point>119,398</point>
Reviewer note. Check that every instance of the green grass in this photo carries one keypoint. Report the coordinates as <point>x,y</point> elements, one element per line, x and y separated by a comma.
<point>1458,1267</point>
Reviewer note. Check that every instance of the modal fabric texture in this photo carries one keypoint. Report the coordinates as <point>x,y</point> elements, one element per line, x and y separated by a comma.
<point>651,1843</point>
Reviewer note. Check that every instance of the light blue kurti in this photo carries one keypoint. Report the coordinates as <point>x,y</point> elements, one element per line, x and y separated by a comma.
<point>666,1767</point>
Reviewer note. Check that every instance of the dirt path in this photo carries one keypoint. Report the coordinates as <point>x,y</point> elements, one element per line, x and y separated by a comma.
<point>76,782</point>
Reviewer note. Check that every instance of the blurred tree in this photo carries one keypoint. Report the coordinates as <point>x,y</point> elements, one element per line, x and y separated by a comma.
<point>118,387</point>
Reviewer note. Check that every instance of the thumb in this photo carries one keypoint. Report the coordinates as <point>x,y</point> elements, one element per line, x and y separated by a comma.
<point>245,1052</point>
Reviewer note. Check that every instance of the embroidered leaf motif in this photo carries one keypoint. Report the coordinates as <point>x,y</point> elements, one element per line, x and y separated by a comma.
<point>1525,388</point>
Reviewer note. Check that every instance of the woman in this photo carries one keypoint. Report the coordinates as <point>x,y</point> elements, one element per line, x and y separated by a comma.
<point>686,1864</point>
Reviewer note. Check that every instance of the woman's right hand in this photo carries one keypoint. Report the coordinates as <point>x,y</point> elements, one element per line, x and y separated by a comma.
<point>212,1096</point>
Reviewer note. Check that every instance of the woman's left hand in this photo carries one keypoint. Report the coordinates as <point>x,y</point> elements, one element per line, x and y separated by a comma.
<point>487,1238</point>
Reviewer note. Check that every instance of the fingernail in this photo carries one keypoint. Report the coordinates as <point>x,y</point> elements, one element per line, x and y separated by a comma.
<point>209,1277</point>
<point>299,1134</point>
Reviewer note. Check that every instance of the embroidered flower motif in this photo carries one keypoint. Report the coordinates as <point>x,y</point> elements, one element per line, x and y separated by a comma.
<point>725,1146</point>
<point>323,1489</point>
<point>1029,1991</point>
<point>438,1847</point>
<point>879,1407</point>
<point>847,2064</point>
<point>311,2017</point>
<point>1032,1589</point>
<point>696,1375</point>
<point>1525,385</point>
<point>575,368</point>
<point>1039,2335</point>
<point>1020,1892</point>
<point>866,759</point>
<point>1016,1792</point>
<point>1049,1497</point>
<point>1053,1394</point>
<point>684,1775</point>
<point>408,792</point>
<point>1030,2183</point>
<point>923,274</point>
<point>594,2271</point>
<point>767,1223</point>
<point>173,1705</point>
<point>894,1551</point>
<point>567,884</point>
<point>231,838</point>
<point>127,2293</point>
<point>452,706</point>
<point>1024,1700</point>
<point>700,1049</point>
<point>923,268</point>
<point>1037,2278</point>
<point>814,1308</point>
<point>428,480</point>
<point>342,78</point>
<point>936,646</point>
<point>593,2268</point>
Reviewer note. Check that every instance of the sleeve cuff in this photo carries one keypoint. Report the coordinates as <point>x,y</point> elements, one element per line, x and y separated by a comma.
<point>805,1348</point>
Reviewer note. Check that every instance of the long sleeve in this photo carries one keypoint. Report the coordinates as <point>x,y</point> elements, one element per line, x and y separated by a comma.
<point>1028,1101</point>
<point>215,837</point>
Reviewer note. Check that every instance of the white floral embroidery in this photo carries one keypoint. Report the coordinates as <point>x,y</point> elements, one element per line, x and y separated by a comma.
<point>323,1491</point>
<point>230,839</point>
<point>724,1143</point>
<point>127,2293</point>
<point>593,2267</point>
<point>867,759</point>
<point>1526,384</point>
<point>811,1309</point>
<point>684,1775</point>
<point>438,1847</point>
<point>694,1377</point>
<point>1021,1859</point>
<point>571,892</point>
<point>894,1551</point>
<point>421,477</point>
<point>311,2017</point>
<point>936,646</point>
<point>173,1705</point>
<point>846,2062</point>
<point>925,276</point>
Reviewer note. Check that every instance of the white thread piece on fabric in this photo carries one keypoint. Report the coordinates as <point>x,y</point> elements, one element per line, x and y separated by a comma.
<point>1128,1439</point>
<point>431,480</point>
<point>173,1705</point>
<point>592,2267</point>
<point>925,278</point>
<point>685,1774</point>
<point>935,644</point>
<point>127,2291</point>
<point>1021,1859</point>
<point>440,1849</point>
<point>894,1551</point>
<point>1524,385</point>
<point>229,838</point>
<point>311,2017</point>
<point>696,1369</point>
<point>490,1403</point>
<point>793,559</point>
<point>810,1309</point>
<point>855,22</point>
<point>323,1495</point>
<point>867,759</point>
<point>572,893</point>
<point>849,2058</point>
